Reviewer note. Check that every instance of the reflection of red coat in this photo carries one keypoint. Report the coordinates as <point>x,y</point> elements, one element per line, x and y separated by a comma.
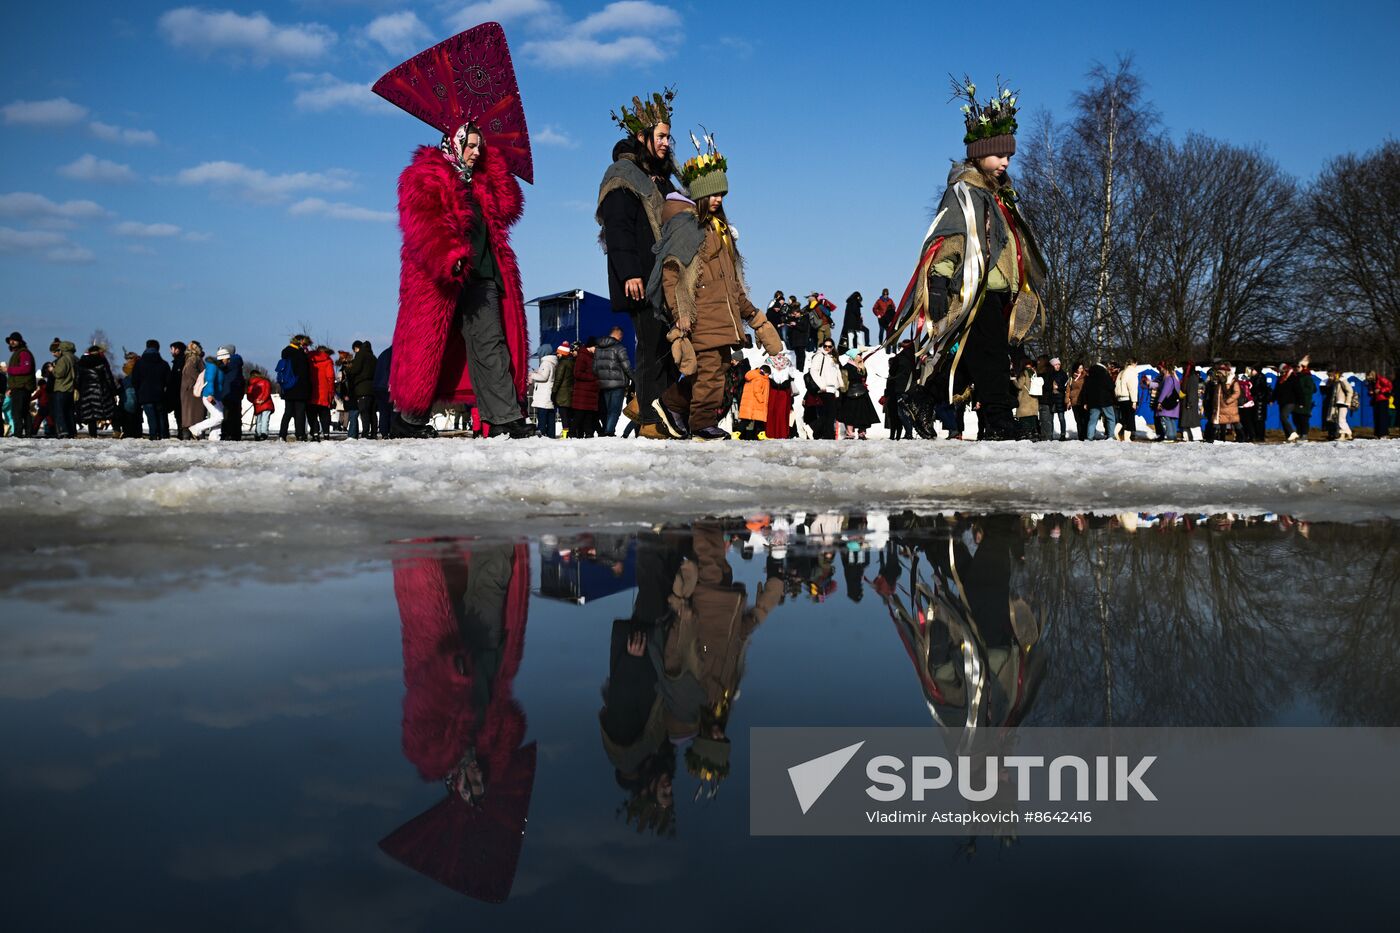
<point>438,717</point>
<point>436,215</point>
<point>471,848</point>
<point>322,378</point>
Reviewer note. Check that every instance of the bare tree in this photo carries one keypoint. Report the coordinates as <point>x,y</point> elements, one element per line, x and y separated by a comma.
<point>1113,120</point>
<point>1356,241</point>
<point>1059,196</point>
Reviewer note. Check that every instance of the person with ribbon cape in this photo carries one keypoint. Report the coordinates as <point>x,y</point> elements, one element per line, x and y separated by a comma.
<point>974,294</point>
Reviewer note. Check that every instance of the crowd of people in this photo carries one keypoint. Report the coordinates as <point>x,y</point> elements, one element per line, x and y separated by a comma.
<point>193,395</point>
<point>706,364</point>
<point>817,388</point>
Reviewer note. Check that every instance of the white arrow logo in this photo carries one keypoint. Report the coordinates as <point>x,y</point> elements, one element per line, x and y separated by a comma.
<point>811,778</point>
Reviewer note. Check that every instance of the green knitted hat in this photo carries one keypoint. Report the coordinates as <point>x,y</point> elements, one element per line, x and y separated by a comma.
<point>712,182</point>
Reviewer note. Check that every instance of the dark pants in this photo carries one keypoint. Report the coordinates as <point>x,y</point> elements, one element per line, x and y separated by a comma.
<point>232,428</point>
<point>62,407</point>
<point>1081,421</point>
<point>824,425</point>
<point>364,407</point>
<point>1030,427</point>
<point>1380,418</point>
<point>544,419</point>
<point>655,371</point>
<point>1302,420</point>
<point>611,400</point>
<point>294,410</point>
<point>386,412</point>
<point>488,357</point>
<point>1127,417</point>
<point>796,340</point>
<point>157,427</point>
<point>1047,421</point>
<point>987,356</point>
<point>19,410</point>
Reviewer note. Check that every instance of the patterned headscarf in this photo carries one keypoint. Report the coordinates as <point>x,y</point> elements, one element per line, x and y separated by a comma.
<point>451,147</point>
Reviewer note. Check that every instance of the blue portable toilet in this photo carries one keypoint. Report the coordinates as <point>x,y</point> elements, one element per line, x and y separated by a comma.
<point>576,315</point>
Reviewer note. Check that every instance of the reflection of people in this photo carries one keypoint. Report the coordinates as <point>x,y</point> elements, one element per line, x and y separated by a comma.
<point>463,616</point>
<point>704,652</point>
<point>632,720</point>
<point>970,636</point>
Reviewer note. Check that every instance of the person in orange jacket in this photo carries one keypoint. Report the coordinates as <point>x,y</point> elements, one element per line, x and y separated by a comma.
<point>260,394</point>
<point>753,405</point>
<point>318,408</point>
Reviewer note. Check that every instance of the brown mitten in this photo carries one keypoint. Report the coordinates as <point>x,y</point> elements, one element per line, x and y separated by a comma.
<point>682,351</point>
<point>767,336</point>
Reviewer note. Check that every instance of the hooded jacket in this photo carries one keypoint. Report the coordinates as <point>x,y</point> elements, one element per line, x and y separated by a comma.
<point>359,375</point>
<point>322,378</point>
<point>260,394</point>
<point>542,395</point>
<point>65,368</point>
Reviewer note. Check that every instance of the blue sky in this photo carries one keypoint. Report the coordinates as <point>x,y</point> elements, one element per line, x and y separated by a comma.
<point>222,172</point>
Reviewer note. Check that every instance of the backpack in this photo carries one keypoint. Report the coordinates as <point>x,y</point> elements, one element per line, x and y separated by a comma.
<point>286,376</point>
<point>198,389</point>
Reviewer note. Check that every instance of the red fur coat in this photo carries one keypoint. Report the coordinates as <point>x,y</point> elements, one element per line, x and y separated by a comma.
<point>438,716</point>
<point>436,215</point>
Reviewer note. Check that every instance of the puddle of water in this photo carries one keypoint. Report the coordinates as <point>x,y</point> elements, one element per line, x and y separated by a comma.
<point>554,728</point>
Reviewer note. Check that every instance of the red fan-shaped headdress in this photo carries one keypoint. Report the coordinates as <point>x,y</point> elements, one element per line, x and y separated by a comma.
<point>467,79</point>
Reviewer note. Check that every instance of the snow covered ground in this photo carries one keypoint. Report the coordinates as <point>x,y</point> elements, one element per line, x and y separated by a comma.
<point>408,485</point>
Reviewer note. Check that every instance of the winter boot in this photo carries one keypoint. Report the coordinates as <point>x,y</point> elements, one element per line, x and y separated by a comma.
<point>514,430</point>
<point>403,429</point>
<point>654,432</point>
<point>713,433</point>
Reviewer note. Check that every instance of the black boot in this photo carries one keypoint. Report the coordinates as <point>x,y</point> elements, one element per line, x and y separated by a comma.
<point>402,429</point>
<point>514,430</point>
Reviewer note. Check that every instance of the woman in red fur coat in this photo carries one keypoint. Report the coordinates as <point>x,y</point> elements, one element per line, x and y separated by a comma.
<point>460,336</point>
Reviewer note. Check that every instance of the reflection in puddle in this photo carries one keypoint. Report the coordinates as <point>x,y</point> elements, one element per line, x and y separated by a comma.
<point>463,613</point>
<point>391,706</point>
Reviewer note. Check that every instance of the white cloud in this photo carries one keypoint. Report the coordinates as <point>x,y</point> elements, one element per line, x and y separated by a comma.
<point>338,211</point>
<point>322,92</point>
<point>539,13</point>
<point>119,134</point>
<point>257,185</point>
<point>90,168</point>
<point>553,136</point>
<point>627,31</point>
<point>132,228</point>
<point>74,255</point>
<point>60,111</point>
<point>399,33</point>
<point>51,247</point>
<point>253,38</point>
<point>17,241</point>
<point>197,237</point>
<point>140,249</point>
<point>38,209</point>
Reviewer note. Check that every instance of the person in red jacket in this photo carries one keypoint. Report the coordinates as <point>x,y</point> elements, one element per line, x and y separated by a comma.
<point>884,313</point>
<point>260,394</point>
<point>1380,390</point>
<point>584,420</point>
<point>318,407</point>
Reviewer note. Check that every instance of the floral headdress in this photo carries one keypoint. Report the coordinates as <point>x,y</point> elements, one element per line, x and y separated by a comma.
<point>705,173</point>
<point>645,114</point>
<point>991,125</point>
